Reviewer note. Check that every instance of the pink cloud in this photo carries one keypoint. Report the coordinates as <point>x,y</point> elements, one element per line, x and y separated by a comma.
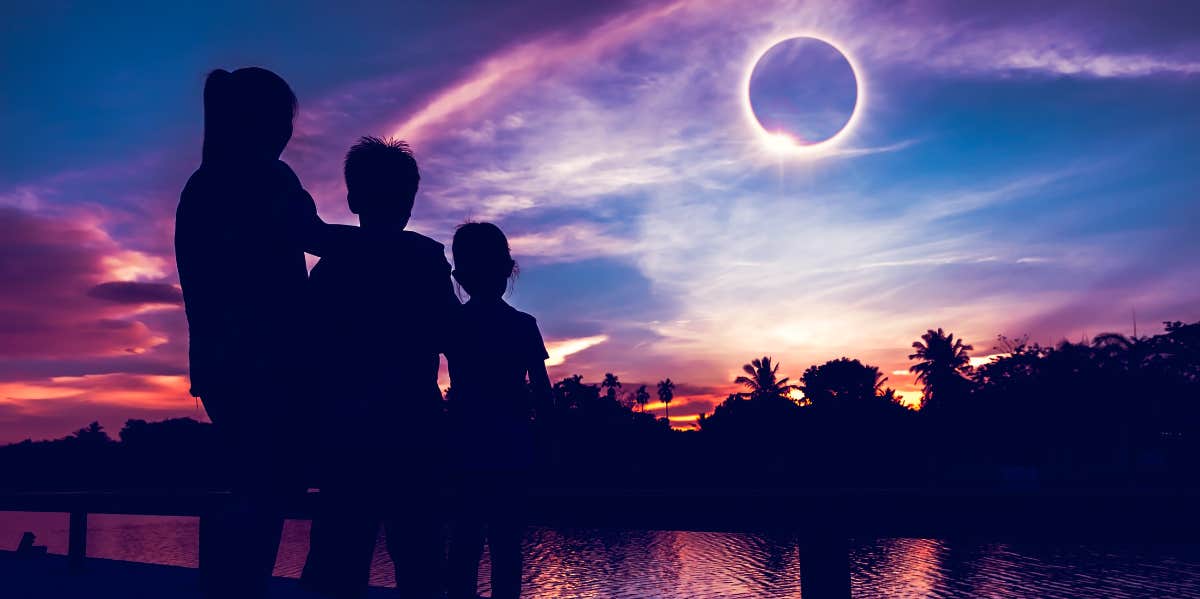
<point>52,267</point>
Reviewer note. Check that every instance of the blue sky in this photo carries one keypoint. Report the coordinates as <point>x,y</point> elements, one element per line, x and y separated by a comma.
<point>1014,169</point>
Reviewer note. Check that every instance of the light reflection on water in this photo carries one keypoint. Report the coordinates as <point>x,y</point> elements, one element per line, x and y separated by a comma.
<point>622,564</point>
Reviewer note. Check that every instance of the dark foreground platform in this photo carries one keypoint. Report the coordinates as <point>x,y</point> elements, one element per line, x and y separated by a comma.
<point>50,576</point>
<point>823,519</point>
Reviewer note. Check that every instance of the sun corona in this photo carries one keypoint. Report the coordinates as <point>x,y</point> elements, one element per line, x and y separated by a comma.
<point>803,94</point>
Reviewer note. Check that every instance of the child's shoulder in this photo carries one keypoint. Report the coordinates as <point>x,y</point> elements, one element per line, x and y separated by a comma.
<point>526,333</point>
<point>421,248</point>
<point>201,180</point>
<point>285,174</point>
<point>421,242</point>
<point>197,197</point>
<point>524,318</point>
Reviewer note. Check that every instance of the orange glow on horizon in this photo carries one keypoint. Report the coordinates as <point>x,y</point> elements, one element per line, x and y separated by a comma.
<point>155,392</point>
<point>689,421</point>
<point>978,361</point>
<point>910,398</point>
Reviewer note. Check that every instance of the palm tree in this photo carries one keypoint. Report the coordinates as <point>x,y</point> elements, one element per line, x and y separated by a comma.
<point>1117,351</point>
<point>762,382</point>
<point>666,392</point>
<point>642,397</point>
<point>610,385</point>
<point>943,363</point>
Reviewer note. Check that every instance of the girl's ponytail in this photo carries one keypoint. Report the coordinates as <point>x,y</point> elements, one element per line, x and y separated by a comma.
<point>217,112</point>
<point>216,86</point>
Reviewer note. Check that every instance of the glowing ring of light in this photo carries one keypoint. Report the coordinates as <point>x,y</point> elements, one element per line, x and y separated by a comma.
<point>784,143</point>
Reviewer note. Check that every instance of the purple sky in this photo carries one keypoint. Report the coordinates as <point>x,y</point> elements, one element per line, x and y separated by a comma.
<point>1014,169</point>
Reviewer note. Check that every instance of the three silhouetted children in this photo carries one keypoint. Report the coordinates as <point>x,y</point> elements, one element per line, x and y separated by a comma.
<point>340,366</point>
<point>385,311</point>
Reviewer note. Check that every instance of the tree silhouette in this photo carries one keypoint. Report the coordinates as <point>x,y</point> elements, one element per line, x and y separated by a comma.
<point>666,392</point>
<point>93,433</point>
<point>642,397</point>
<point>1115,410</point>
<point>1179,349</point>
<point>572,392</point>
<point>610,385</point>
<point>844,381</point>
<point>1116,351</point>
<point>943,361</point>
<point>763,382</point>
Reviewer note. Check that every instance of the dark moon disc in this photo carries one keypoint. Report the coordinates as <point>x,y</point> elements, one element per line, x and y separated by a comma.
<point>803,89</point>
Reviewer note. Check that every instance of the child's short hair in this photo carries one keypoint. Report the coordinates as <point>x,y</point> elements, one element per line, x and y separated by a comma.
<point>378,170</point>
<point>482,249</point>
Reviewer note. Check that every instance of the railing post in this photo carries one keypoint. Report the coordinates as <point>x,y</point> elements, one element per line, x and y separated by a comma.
<point>77,541</point>
<point>825,567</point>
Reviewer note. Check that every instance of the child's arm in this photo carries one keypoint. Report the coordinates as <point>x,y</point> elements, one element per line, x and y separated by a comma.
<point>304,226</point>
<point>539,386</point>
<point>539,379</point>
<point>314,235</point>
<point>447,301</point>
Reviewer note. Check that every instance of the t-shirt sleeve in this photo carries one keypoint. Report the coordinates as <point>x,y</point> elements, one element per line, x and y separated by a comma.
<point>535,346</point>
<point>442,304</point>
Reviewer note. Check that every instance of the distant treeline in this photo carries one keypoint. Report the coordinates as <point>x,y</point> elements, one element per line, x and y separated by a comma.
<point>1115,411</point>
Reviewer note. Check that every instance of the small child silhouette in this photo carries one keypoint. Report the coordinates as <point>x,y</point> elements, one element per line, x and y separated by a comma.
<point>491,350</point>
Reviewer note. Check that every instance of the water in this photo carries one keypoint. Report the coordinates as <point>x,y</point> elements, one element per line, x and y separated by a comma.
<point>621,564</point>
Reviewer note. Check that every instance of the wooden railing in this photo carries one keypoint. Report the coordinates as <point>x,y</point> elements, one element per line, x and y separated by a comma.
<point>823,519</point>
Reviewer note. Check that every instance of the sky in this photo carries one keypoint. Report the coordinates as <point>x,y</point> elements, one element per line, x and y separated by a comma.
<point>1018,168</point>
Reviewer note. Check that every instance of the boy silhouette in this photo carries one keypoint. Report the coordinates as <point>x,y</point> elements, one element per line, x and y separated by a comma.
<point>382,308</point>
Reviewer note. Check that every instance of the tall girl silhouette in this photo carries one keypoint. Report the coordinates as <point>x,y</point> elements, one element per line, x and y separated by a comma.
<point>242,227</point>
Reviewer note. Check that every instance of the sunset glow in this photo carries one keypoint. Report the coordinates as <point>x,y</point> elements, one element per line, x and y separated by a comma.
<point>1019,172</point>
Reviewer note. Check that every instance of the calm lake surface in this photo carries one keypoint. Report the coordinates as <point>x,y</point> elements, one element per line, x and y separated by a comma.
<point>623,563</point>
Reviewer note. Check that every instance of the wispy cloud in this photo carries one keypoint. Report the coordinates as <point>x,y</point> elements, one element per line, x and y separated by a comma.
<point>570,242</point>
<point>562,349</point>
<point>1094,64</point>
<point>1072,40</point>
<point>517,66</point>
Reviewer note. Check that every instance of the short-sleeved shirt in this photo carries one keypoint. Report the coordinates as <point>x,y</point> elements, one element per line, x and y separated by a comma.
<point>382,309</point>
<point>489,354</point>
